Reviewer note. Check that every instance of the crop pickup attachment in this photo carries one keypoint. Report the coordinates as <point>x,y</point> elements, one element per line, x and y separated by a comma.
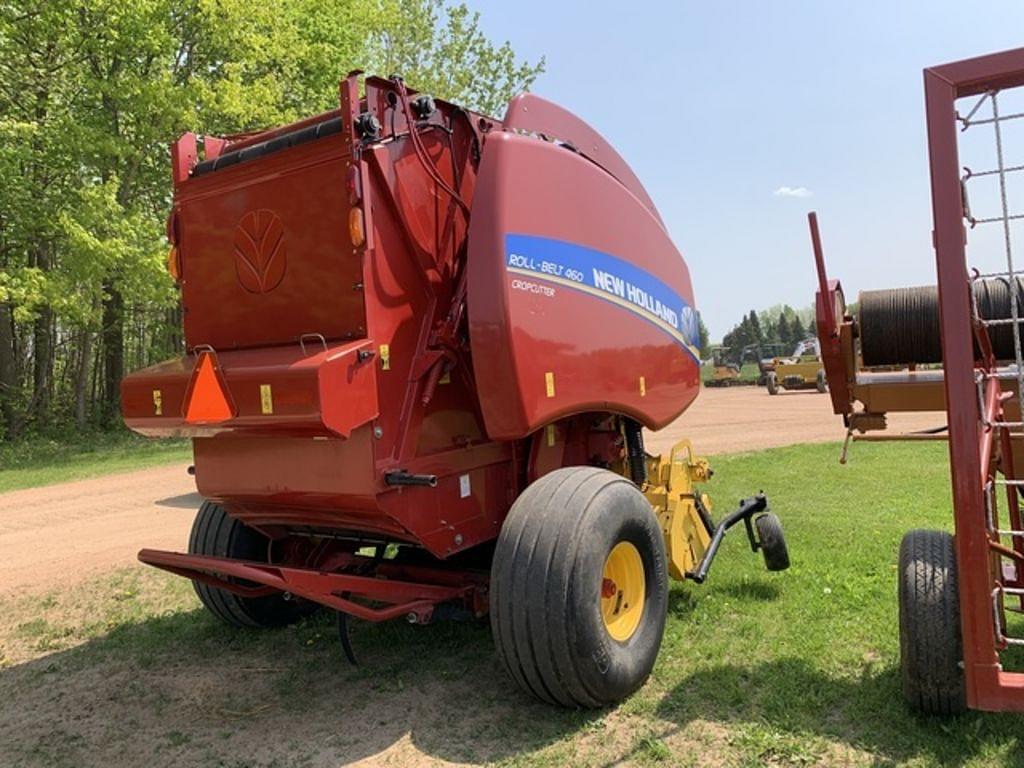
<point>692,538</point>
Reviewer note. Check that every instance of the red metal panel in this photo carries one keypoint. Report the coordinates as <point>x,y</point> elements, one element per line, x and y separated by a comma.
<point>312,389</point>
<point>529,113</point>
<point>270,478</point>
<point>565,271</point>
<point>266,255</point>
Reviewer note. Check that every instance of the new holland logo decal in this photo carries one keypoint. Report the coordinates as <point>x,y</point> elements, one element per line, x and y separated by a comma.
<point>260,253</point>
<point>608,278</point>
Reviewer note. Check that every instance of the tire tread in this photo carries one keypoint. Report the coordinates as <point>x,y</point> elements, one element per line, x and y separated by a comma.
<point>931,647</point>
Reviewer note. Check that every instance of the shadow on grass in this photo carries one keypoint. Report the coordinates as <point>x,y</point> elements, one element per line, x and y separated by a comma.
<point>181,689</point>
<point>780,703</point>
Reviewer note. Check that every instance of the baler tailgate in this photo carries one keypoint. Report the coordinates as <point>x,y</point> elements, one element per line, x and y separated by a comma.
<point>265,250</point>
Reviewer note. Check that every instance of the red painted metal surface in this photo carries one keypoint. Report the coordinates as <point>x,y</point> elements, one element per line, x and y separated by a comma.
<point>531,114</point>
<point>970,444</point>
<point>265,250</point>
<point>314,389</point>
<point>829,306</point>
<point>565,295</point>
<point>335,590</point>
<point>354,296</point>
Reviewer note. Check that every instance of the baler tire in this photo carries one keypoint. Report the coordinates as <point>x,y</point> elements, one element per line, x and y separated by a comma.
<point>931,646</point>
<point>547,580</point>
<point>772,542</point>
<point>822,384</point>
<point>217,534</point>
<point>773,384</point>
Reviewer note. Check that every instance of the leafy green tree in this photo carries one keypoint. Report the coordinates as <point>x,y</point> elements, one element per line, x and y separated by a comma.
<point>757,335</point>
<point>92,92</point>
<point>441,50</point>
<point>797,330</point>
<point>784,330</point>
<point>704,337</point>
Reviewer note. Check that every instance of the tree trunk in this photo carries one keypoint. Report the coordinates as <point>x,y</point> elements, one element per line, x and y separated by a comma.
<point>113,351</point>
<point>8,373</point>
<point>82,379</point>
<point>42,365</point>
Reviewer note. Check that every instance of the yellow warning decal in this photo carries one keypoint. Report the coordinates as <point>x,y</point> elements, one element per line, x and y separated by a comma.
<point>158,402</point>
<point>643,386</point>
<point>266,399</point>
<point>385,357</point>
<point>549,383</point>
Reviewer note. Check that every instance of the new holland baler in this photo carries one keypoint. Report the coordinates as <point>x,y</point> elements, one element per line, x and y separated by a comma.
<point>422,344</point>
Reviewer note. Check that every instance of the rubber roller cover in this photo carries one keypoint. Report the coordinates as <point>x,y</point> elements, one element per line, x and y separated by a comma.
<point>899,326</point>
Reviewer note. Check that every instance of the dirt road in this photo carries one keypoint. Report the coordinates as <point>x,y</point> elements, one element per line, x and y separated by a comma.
<point>61,534</point>
<point>734,419</point>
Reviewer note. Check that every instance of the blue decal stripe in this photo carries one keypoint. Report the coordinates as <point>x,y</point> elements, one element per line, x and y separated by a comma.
<point>606,277</point>
<point>631,308</point>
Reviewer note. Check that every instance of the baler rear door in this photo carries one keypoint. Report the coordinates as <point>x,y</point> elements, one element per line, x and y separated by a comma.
<point>265,248</point>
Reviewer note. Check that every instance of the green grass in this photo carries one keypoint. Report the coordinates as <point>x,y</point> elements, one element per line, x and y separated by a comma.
<point>785,669</point>
<point>40,461</point>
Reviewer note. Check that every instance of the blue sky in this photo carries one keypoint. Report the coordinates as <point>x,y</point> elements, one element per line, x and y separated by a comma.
<point>717,105</point>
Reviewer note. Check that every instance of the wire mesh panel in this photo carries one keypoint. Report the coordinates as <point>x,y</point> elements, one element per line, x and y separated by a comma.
<point>990,216</point>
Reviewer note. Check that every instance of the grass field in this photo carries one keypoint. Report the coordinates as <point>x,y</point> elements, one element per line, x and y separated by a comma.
<point>789,669</point>
<point>40,461</point>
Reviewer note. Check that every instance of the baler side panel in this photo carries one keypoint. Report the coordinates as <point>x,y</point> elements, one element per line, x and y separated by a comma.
<point>529,113</point>
<point>578,300</point>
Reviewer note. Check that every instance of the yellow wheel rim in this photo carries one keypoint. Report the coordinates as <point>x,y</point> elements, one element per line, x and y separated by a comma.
<point>622,591</point>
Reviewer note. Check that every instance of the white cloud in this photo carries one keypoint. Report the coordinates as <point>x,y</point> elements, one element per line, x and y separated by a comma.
<point>792,192</point>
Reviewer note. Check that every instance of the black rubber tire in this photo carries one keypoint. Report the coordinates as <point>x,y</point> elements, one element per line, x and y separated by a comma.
<point>773,384</point>
<point>546,585</point>
<point>822,384</point>
<point>931,647</point>
<point>216,533</point>
<point>772,541</point>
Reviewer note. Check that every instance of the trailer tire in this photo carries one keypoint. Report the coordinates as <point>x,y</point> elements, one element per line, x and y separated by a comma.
<point>560,624</point>
<point>931,647</point>
<point>773,384</point>
<point>772,542</point>
<point>822,384</point>
<point>216,533</point>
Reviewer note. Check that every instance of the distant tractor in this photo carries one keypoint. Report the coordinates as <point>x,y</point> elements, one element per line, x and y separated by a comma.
<point>801,370</point>
<point>726,371</point>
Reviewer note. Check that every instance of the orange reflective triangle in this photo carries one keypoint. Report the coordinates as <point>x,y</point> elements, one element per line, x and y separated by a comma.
<point>208,401</point>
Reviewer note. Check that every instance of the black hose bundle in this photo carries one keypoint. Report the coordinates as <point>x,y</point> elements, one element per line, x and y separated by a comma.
<point>899,326</point>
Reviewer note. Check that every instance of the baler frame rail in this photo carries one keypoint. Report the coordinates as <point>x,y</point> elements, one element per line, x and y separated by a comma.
<point>414,600</point>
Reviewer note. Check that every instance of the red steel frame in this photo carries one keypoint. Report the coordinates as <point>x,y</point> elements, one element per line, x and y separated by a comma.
<point>971,433</point>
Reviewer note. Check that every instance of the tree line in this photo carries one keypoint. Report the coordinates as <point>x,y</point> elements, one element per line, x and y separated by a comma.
<point>91,94</point>
<point>781,325</point>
